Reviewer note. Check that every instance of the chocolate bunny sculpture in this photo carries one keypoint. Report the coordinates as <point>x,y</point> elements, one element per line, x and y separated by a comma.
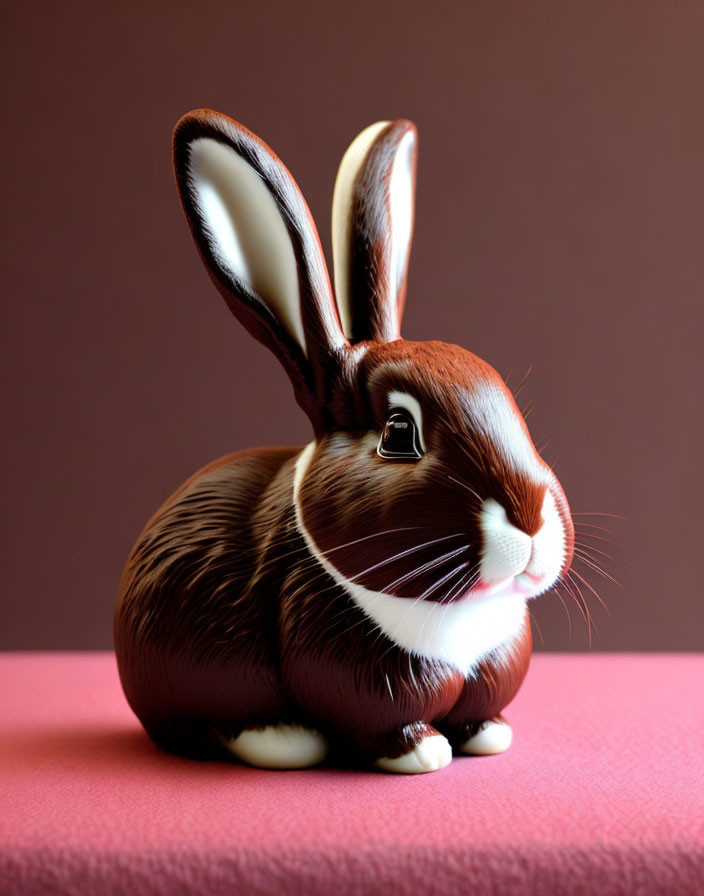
<point>368,590</point>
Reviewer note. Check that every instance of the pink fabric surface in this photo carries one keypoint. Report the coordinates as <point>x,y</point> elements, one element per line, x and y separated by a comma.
<point>602,792</point>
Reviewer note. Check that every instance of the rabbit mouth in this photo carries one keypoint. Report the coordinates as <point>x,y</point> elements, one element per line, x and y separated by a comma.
<point>524,585</point>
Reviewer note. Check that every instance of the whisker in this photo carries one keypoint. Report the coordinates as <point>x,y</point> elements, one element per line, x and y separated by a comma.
<point>444,579</point>
<point>568,586</point>
<point>405,553</point>
<point>537,625</point>
<point>601,538</point>
<point>519,387</point>
<point>569,618</point>
<point>584,607</point>
<point>429,616</point>
<point>465,487</point>
<point>431,564</point>
<point>465,583</point>
<point>278,557</point>
<point>374,535</point>
<point>413,603</point>
<point>590,549</point>
<point>613,516</point>
<point>581,526</point>
<point>595,566</point>
<point>587,585</point>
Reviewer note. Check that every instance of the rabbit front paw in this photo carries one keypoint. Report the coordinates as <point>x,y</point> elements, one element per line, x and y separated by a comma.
<point>491,737</point>
<point>432,752</point>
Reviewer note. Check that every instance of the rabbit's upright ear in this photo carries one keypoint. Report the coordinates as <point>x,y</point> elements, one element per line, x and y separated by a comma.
<point>259,244</point>
<point>372,228</point>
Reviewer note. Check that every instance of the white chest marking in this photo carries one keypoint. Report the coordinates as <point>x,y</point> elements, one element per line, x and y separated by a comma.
<point>461,634</point>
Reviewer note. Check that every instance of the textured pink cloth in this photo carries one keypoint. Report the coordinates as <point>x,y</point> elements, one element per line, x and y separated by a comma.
<point>602,792</point>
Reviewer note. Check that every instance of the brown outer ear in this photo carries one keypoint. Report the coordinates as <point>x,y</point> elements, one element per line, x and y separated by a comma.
<point>371,239</point>
<point>308,366</point>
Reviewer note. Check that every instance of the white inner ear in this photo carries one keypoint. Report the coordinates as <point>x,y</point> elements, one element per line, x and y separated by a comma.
<point>401,205</point>
<point>347,173</point>
<point>245,229</point>
<point>412,405</point>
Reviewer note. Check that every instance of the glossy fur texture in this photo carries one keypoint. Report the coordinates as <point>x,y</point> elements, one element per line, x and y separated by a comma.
<point>284,599</point>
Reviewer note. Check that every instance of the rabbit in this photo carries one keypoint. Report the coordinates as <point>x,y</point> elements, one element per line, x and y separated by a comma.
<point>370,589</point>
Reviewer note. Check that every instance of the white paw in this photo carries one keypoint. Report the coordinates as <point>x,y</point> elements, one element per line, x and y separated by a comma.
<point>429,755</point>
<point>279,746</point>
<point>492,737</point>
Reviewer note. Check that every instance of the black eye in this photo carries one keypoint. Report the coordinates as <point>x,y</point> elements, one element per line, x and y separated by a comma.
<point>399,440</point>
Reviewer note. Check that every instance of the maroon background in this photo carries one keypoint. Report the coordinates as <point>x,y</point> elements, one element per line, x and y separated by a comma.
<point>560,224</point>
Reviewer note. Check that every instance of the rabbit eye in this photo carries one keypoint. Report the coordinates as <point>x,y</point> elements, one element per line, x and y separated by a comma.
<point>399,439</point>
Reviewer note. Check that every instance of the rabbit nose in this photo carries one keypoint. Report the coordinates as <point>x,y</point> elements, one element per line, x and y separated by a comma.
<point>506,550</point>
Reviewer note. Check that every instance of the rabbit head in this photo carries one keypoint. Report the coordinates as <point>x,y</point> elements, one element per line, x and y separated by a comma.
<point>422,480</point>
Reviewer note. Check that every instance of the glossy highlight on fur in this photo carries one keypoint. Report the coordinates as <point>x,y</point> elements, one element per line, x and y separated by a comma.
<point>285,600</point>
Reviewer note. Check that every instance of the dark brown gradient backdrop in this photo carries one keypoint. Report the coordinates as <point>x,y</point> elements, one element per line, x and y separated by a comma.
<point>560,224</point>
